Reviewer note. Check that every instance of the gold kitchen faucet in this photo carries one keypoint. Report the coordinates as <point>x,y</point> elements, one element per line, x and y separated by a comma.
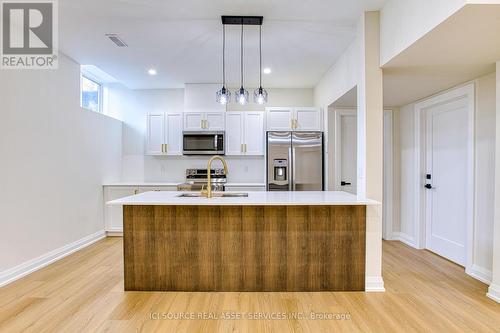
<point>208,191</point>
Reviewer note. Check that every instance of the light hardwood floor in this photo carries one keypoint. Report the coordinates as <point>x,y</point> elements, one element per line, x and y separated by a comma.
<point>83,293</point>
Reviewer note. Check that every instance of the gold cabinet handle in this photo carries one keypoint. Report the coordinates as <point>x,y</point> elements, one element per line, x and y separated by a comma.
<point>166,148</point>
<point>292,123</point>
<point>206,124</point>
<point>162,148</point>
<point>241,148</point>
<point>245,148</point>
<point>202,123</point>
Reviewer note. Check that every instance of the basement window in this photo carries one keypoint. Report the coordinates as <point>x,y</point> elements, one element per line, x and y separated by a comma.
<point>91,94</point>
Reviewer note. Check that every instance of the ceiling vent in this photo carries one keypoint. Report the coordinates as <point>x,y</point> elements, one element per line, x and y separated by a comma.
<point>117,40</point>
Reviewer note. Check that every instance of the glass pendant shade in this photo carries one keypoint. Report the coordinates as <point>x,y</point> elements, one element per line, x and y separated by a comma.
<point>223,96</point>
<point>260,95</point>
<point>241,96</point>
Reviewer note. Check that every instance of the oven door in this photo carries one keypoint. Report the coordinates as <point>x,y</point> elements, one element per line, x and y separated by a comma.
<point>203,143</point>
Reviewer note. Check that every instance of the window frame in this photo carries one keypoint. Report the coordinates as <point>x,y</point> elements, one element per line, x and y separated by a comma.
<point>99,92</point>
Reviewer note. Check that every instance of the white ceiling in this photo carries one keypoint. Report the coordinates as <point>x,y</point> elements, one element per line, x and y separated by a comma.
<point>182,39</point>
<point>460,49</point>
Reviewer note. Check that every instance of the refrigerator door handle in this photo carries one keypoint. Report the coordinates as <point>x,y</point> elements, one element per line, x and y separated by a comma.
<point>291,170</point>
<point>294,187</point>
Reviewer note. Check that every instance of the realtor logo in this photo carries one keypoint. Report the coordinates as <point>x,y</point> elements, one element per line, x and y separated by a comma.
<point>29,34</point>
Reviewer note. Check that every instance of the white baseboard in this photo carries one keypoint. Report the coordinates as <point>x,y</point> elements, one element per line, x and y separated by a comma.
<point>374,284</point>
<point>114,233</point>
<point>33,265</point>
<point>402,237</point>
<point>494,292</point>
<point>479,273</point>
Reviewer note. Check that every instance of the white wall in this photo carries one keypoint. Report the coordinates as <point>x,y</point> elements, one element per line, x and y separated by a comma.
<point>403,22</point>
<point>340,78</point>
<point>407,166</point>
<point>484,174</point>
<point>494,289</point>
<point>54,158</point>
<point>485,171</point>
<point>132,106</point>
<point>358,67</point>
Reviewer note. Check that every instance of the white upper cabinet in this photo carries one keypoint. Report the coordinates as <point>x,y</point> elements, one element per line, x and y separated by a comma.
<point>155,134</point>
<point>214,121</point>
<point>279,119</point>
<point>293,119</point>
<point>204,121</point>
<point>173,133</point>
<point>193,121</point>
<point>307,119</point>
<point>234,133</point>
<point>164,134</point>
<point>254,133</point>
<point>245,133</point>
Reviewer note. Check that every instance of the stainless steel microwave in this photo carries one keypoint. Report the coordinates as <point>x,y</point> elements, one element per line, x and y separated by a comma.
<point>203,143</point>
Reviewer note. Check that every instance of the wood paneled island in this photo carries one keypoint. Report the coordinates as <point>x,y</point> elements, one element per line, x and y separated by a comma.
<point>268,241</point>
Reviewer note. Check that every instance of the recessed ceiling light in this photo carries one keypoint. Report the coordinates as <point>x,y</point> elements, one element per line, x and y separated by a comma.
<point>267,70</point>
<point>152,71</point>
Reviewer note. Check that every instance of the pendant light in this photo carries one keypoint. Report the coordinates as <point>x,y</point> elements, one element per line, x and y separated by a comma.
<point>260,94</point>
<point>241,95</point>
<point>223,96</point>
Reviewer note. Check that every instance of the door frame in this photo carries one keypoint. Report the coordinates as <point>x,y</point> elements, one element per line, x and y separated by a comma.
<point>388,183</point>
<point>339,112</point>
<point>467,91</point>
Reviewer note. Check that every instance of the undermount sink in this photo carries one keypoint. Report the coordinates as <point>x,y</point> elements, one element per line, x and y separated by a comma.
<point>214,195</point>
<point>234,195</point>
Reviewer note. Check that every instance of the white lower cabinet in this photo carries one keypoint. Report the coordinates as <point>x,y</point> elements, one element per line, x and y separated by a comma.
<point>113,215</point>
<point>245,133</point>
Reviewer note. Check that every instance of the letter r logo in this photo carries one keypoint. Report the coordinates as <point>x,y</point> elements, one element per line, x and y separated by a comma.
<point>27,28</point>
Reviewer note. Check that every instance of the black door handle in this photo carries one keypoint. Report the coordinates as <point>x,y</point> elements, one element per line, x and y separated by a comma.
<point>343,183</point>
<point>428,186</point>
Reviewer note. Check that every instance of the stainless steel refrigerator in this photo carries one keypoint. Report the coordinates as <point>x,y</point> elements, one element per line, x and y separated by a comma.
<point>295,161</point>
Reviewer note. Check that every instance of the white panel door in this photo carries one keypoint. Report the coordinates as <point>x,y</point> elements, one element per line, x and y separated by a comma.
<point>446,190</point>
<point>279,119</point>
<point>307,119</point>
<point>348,152</point>
<point>215,121</point>
<point>234,133</point>
<point>254,133</point>
<point>193,121</point>
<point>173,133</point>
<point>155,134</point>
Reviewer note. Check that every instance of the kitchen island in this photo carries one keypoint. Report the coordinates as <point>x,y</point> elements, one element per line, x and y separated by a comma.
<point>267,241</point>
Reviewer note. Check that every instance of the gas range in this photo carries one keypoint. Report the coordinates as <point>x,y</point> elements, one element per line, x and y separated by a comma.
<point>196,179</point>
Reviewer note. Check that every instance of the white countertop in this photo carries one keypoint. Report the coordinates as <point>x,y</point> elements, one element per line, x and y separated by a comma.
<point>316,198</point>
<point>146,184</point>
<point>141,184</point>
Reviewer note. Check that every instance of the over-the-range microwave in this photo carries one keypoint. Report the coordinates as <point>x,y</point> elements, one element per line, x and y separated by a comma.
<point>203,143</point>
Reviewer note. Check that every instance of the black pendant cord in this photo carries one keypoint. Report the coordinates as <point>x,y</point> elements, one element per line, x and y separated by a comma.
<point>223,55</point>
<point>241,52</point>
<point>260,55</point>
